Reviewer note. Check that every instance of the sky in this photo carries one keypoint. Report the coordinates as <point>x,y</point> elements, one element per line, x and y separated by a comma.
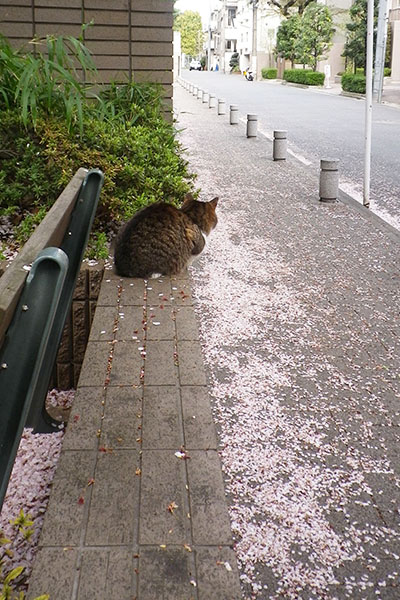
<point>201,6</point>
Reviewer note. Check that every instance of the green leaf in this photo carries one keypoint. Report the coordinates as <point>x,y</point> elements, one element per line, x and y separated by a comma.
<point>13,574</point>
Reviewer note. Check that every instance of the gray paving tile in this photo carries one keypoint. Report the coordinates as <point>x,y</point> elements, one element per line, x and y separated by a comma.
<point>186,323</point>
<point>113,509</point>
<point>94,367</point>
<point>130,323</point>
<point>85,419</point>
<point>166,574</point>
<point>70,494</point>
<point>132,292</point>
<point>191,366</point>
<point>121,426</point>
<point>159,365</point>
<point>103,324</point>
<point>54,571</point>
<point>126,364</point>
<point>162,426</point>
<point>163,506</point>
<point>217,573</point>
<point>158,292</point>
<point>160,323</point>
<point>197,418</point>
<point>182,292</point>
<point>210,520</point>
<point>109,291</point>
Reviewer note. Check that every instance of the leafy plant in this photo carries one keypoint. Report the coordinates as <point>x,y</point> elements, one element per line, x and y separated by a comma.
<point>316,32</point>
<point>269,73</point>
<point>304,76</point>
<point>49,81</point>
<point>121,131</point>
<point>189,24</point>
<point>354,83</point>
<point>234,61</point>
<point>128,104</point>
<point>286,38</point>
<point>12,580</point>
<point>356,43</point>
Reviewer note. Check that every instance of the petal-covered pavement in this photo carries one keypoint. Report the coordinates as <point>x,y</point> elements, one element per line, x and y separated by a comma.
<point>298,307</point>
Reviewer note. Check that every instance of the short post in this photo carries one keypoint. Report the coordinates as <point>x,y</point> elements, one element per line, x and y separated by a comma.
<point>329,180</point>
<point>206,96</point>
<point>279,145</point>
<point>252,122</point>
<point>190,88</point>
<point>194,92</point>
<point>221,106</point>
<point>212,103</point>
<point>199,94</point>
<point>234,114</point>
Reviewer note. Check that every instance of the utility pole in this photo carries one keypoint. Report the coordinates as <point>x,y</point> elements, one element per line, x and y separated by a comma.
<point>254,38</point>
<point>368,103</point>
<point>380,49</point>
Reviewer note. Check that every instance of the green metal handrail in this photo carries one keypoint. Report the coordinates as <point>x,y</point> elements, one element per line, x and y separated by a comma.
<point>30,347</point>
<point>24,349</point>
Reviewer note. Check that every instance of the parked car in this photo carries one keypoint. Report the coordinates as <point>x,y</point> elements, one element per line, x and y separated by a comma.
<point>195,65</point>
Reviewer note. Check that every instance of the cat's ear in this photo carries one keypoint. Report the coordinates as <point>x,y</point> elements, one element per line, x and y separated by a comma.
<point>188,198</point>
<point>214,202</point>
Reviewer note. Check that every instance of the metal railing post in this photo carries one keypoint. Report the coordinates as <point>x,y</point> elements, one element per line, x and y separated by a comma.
<point>24,350</point>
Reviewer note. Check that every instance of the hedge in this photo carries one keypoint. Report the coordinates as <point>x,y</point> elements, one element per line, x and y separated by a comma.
<point>353,83</point>
<point>269,73</point>
<point>304,76</point>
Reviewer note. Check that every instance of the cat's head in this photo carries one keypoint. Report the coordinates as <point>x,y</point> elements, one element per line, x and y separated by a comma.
<point>201,213</point>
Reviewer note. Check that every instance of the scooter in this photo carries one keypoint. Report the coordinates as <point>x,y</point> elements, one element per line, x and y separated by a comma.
<point>248,75</point>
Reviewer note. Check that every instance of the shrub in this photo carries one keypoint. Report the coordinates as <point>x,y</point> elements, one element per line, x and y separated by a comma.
<point>269,73</point>
<point>234,62</point>
<point>141,165</point>
<point>44,140</point>
<point>387,71</point>
<point>353,83</point>
<point>47,82</point>
<point>304,76</point>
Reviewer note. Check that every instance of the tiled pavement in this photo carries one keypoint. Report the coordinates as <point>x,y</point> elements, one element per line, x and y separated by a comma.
<point>137,509</point>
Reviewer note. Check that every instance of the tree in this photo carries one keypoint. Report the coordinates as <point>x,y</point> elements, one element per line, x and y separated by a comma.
<point>316,34</point>
<point>286,38</point>
<point>285,6</point>
<point>355,47</point>
<point>189,24</point>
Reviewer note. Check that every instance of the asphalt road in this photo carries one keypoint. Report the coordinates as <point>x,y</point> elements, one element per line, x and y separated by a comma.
<point>323,125</point>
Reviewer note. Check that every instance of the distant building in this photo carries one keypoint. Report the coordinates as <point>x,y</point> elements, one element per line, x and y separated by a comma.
<point>249,27</point>
<point>394,23</point>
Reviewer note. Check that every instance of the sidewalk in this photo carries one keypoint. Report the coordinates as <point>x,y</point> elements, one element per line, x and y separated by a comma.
<point>298,307</point>
<point>137,509</point>
<point>390,93</point>
<point>297,304</point>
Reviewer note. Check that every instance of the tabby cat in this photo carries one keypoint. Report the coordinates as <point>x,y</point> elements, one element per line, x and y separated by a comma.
<point>161,239</point>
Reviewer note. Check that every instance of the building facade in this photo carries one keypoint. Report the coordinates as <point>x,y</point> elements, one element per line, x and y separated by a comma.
<point>129,39</point>
<point>250,26</point>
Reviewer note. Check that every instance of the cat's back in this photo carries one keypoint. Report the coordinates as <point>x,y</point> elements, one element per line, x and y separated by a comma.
<point>154,240</point>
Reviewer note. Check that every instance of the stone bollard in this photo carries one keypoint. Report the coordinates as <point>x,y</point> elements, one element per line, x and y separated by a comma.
<point>279,145</point>
<point>212,103</point>
<point>233,114</point>
<point>199,94</point>
<point>221,106</point>
<point>206,96</point>
<point>329,180</point>
<point>252,122</point>
<point>190,88</point>
<point>194,92</point>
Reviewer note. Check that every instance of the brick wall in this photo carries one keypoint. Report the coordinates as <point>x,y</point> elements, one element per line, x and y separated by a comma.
<point>129,38</point>
<point>77,328</point>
